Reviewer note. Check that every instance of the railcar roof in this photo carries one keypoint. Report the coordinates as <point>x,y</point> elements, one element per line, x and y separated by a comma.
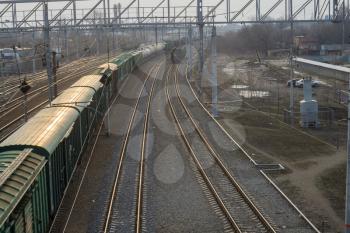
<point>112,66</point>
<point>18,170</point>
<point>48,127</point>
<point>119,60</point>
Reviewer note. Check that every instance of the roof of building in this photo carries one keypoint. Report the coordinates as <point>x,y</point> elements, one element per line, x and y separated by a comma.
<point>323,65</point>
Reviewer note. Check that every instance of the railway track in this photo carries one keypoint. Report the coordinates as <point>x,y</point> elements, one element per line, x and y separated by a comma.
<point>60,220</point>
<point>11,85</point>
<point>240,210</point>
<point>285,214</point>
<point>12,117</point>
<point>111,221</point>
<point>39,82</point>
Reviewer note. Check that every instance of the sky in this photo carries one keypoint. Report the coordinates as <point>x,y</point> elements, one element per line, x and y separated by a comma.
<point>235,5</point>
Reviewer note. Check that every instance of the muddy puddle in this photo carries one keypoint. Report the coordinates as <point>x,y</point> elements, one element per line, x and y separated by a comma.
<point>238,86</point>
<point>254,94</point>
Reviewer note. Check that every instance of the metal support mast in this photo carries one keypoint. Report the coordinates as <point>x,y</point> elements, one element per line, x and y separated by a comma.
<point>201,36</point>
<point>347,197</point>
<point>168,11</point>
<point>48,50</point>
<point>34,52</point>
<point>291,104</point>
<point>228,10</point>
<point>74,12</point>
<point>138,11</point>
<point>189,52</point>
<point>214,81</point>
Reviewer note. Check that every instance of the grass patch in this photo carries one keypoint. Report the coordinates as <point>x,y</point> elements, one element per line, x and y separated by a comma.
<point>279,140</point>
<point>332,185</point>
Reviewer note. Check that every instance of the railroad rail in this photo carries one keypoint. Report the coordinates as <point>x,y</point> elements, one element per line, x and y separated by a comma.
<point>138,218</point>
<point>11,116</point>
<point>85,169</point>
<point>5,108</point>
<point>239,209</point>
<point>312,227</point>
<point>142,159</point>
<point>68,71</point>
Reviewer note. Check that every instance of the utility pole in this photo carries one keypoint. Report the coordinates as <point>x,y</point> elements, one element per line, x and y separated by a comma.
<point>74,12</point>
<point>156,29</point>
<point>138,11</point>
<point>97,40</point>
<point>65,41</point>
<point>48,50</point>
<point>214,81</point>
<point>189,51</point>
<point>54,71</point>
<point>168,11</point>
<point>347,201</point>
<point>257,10</point>
<point>77,37</point>
<point>291,104</point>
<point>228,10</point>
<point>14,16</point>
<point>34,52</point>
<point>109,11</point>
<point>343,29</point>
<point>77,42</point>
<point>201,37</point>
<point>104,12</point>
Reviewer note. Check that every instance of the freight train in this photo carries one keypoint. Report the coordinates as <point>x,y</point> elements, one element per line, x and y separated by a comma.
<point>38,160</point>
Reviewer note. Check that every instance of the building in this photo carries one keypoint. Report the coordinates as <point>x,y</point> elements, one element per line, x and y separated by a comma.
<point>306,45</point>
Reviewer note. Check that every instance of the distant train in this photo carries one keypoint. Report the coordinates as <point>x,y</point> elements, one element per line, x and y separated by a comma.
<point>38,160</point>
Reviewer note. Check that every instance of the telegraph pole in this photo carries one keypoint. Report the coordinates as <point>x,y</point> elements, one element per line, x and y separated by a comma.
<point>48,50</point>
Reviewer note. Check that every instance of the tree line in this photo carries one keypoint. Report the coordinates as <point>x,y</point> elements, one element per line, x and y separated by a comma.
<point>261,38</point>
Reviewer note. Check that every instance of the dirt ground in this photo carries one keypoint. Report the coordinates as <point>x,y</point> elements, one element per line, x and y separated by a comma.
<point>252,99</point>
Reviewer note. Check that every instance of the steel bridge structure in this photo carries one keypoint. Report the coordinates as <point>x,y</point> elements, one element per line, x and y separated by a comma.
<point>164,14</point>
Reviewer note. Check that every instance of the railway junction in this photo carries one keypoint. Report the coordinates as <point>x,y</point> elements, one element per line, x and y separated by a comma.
<point>122,119</point>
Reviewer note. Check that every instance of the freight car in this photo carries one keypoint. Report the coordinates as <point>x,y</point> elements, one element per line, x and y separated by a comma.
<point>38,160</point>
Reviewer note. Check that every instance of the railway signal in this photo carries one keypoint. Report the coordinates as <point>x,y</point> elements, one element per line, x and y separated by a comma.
<point>25,87</point>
